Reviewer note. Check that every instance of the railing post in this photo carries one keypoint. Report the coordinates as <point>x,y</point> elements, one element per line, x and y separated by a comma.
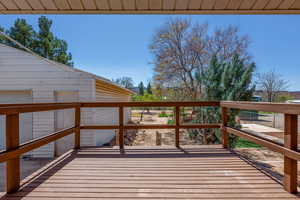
<point>177,120</point>
<point>77,127</point>
<point>290,142</point>
<point>225,135</point>
<point>121,128</point>
<point>12,142</point>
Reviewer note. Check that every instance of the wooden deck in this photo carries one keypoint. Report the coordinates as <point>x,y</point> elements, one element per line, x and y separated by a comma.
<point>151,173</point>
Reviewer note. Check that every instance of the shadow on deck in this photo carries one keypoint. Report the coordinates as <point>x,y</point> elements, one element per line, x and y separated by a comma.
<point>199,172</point>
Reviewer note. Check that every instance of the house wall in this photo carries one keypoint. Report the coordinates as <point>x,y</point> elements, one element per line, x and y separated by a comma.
<point>25,123</point>
<point>109,116</point>
<point>22,71</point>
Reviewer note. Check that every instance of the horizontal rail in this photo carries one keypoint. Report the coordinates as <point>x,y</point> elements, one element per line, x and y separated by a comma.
<point>33,144</point>
<point>12,109</point>
<point>100,127</point>
<point>38,104</point>
<point>263,142</point>
<point>6,109</point>
<point>287,108</point>
<point>188,126</point>
<point>150,104</point>
<point>152,126</point>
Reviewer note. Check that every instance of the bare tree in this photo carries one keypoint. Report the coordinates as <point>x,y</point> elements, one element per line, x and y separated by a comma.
<point>126,82</point>
<point>183,50</point>
<point>271,83</point>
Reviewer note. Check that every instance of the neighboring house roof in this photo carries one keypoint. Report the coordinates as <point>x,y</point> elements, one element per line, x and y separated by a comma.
<point>117,87</point>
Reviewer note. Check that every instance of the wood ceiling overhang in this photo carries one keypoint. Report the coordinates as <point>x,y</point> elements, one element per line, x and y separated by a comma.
<point>150,6</point>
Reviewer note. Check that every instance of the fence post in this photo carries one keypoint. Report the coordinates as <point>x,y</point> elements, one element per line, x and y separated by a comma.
<point>77,127</point>
<point>224,124</point>
<point>121,128</point>
<point>290,142</point>
<point>12,142</point>
<point>177,121</point>
<point>117,137</point>
<point>158,138</point>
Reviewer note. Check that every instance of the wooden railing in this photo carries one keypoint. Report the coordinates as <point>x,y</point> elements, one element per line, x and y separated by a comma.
<point>289,148</point>
<point>177,105</point>
<point>14,149</point>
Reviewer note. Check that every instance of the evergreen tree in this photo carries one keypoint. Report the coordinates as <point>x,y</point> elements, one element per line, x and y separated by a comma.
<point>60,52</point>
<point>2,38</point>
<point>43,42</point>
<point>23,33</point>
<point>45,38</point>
<point>141,88</point>
<point>50,46</point>
<point>149,88</point>
<point>223,81</point>
<point>228,81</point>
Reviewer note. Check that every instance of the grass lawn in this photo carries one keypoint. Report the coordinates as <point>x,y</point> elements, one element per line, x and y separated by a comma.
<point>243,143</point>
<point>264,113</point>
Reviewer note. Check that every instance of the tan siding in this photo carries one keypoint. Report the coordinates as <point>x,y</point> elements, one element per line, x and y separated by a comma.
<point>109,116</point>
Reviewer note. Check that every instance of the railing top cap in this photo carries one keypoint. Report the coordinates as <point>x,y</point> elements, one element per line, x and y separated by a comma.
<point>36,107</point>
<point>286,108</point>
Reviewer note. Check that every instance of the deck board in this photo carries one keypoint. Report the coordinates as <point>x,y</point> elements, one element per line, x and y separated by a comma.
<point>200,172</point>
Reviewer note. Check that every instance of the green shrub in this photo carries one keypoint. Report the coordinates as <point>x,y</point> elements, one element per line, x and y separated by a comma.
<point>170,115</point>
<point>163,114</point>
<point>171,122</point>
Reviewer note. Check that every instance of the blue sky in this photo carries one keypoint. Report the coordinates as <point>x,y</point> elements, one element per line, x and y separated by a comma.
<point>117,45</point>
